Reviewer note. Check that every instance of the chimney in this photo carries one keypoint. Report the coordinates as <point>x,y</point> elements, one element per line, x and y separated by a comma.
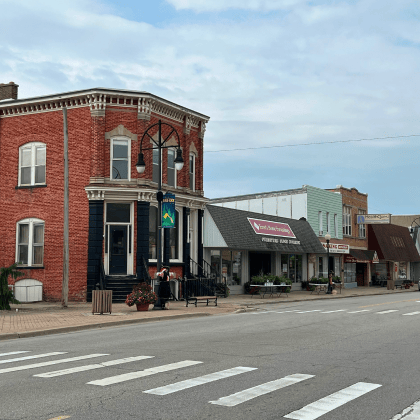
<point>8,91</point>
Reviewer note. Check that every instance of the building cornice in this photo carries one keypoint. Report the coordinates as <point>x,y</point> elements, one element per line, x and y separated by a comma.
<point>98,99</point>
<point>117,193</point>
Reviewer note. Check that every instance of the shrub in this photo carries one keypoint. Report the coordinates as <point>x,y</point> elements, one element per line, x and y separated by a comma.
<point>6,295</point>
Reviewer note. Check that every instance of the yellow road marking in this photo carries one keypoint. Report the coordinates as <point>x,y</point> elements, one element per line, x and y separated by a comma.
<point>389,303</point>
<point>60,418</point>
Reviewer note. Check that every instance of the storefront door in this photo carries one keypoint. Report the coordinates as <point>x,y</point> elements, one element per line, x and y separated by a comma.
<point>118,249</point>
<point>259,262</point>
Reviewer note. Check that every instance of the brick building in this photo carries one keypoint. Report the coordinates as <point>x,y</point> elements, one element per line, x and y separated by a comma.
<point>113,209</point>
<point>356,267</point>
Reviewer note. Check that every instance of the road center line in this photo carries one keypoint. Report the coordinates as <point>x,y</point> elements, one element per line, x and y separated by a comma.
<point>387,312</point>
<point>330,312</point>
<point>313,310</point>
<point>356,312</point>
<point>412,313</point>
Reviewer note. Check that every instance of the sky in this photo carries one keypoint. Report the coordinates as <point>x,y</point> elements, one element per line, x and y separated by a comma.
<point>320,92</point>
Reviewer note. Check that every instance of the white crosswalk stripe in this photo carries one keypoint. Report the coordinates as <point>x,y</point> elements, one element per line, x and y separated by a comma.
<point>51,362</point>
<point>140,374</point>
<point>90,367</point>
<point>410,413</point>
<point>331,402</point>
<point>248,394</point>
<point>36,356</point>
<point>12,352</point>
<point>330,312</point>
<point>179,386</point>
<point>387,312</point>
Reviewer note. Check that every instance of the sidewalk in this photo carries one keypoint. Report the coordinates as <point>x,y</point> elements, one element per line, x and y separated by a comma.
<point>41,318</point>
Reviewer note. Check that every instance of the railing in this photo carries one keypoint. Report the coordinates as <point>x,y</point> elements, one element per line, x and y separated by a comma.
<point>146,271</point>
<point>198,287</point>
<point>206,270</point>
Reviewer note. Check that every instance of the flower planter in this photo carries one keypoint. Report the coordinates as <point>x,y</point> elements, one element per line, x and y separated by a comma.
<point>142,306</point>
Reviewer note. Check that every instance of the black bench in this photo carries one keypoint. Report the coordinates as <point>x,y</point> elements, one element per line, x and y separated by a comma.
<point>398,284</point>
<point>201,299</point>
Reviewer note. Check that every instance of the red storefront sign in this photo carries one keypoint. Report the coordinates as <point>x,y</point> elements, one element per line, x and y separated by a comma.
<point>337,248</point>
<point>266,227</point>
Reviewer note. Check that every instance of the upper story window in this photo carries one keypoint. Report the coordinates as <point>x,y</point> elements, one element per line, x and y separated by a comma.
<point>362,226</point>
<point>30,242</point>
<point>346,221</point>
<point>171,167</point>
<point>328,222</point>
<point>156,173</point>
<point>32,159</point>
<point>192,172</point>
<point>321,232</point>
<point>335,225</point>
<point>120,162</point>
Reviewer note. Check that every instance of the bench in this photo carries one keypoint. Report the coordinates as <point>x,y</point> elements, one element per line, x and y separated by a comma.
<point>201,299</point>
<point>319,287</point>
<point>403,283</point>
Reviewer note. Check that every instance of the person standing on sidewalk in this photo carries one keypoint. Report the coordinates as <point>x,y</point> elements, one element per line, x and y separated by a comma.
<point>330,283</point>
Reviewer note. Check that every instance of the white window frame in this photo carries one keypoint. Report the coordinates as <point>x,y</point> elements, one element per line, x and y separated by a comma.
<point>194,173</point>
<point>157,165</point>
<point>346,221</point>
<point>180,230</point>
<point>173,150</point>
<point>33,146</point>
<point>362,226</point>
<point>128,140</point>
<point>31,222</point>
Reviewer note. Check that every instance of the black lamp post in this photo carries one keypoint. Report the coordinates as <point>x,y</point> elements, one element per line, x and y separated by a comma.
<point>328,238</point>
<point>141,166</point>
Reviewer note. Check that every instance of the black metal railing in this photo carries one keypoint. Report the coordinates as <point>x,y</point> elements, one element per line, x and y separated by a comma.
<point>198,287</point>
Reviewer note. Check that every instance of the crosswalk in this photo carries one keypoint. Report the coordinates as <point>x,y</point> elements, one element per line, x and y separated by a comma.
<point>334,311</point>
<point>314,410</point>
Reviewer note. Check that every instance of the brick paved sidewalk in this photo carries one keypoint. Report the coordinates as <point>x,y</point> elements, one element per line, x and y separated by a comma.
<point>41,318</point>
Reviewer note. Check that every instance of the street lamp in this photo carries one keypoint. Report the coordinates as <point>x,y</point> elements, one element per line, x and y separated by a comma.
<point>141,166</point>
<point>328,238</point>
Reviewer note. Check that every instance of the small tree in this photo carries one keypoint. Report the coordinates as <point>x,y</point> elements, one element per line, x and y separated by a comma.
<point>6,295</point>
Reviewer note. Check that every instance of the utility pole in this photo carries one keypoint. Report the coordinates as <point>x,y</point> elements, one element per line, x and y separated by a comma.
<point>65,285</point>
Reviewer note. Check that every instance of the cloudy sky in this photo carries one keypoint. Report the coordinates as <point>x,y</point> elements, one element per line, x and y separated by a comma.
<point>320,92</point>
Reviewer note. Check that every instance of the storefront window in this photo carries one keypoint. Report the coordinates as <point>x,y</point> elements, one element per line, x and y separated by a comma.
<point>152,233</point>
<point>298,268</point>
<point>321,267</point>
<point>237,266</point>
<point>292,267</point>
<point>402,271</point>
<point>349,272</point>
<point>284,265</point>
<point>227,267</point>
<point>215,262</point>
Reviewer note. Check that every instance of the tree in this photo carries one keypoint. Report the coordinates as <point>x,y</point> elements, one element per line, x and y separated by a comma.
<point>6,295</point>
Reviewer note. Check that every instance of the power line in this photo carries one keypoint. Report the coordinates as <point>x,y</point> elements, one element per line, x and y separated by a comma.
<point>311,144</point>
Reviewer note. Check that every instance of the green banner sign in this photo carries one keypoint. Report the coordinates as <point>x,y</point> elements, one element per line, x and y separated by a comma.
<point>168,210</point>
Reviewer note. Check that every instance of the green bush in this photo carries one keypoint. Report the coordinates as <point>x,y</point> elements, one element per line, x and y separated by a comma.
<point>6,295</point>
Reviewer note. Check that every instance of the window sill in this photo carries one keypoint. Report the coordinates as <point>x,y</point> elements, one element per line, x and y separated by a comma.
<point>25,187</point>
<point>33,267</point>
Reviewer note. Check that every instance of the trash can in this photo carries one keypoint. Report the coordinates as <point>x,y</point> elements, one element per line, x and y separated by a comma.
<point>101,301</point>
<point>390,285</point>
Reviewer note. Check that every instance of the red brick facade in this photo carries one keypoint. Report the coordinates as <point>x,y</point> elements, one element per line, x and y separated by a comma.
<point>41,120</point>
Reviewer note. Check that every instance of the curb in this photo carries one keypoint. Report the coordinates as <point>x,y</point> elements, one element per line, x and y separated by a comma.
<point>63,330</point>
<point>326,298</point>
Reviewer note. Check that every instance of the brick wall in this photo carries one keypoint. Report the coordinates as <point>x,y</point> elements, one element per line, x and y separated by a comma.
<point>356,201</point>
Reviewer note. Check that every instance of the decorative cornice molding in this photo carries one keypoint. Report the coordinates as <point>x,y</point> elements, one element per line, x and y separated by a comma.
<point>98,99</point>
<point>104,192</point>
<point>202,129</point>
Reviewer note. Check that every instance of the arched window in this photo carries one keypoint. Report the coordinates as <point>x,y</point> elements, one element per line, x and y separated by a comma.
<point>32,160</point>
<point>30,242</point>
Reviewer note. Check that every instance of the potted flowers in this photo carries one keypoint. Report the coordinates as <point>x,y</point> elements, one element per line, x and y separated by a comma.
<point>141,296</point>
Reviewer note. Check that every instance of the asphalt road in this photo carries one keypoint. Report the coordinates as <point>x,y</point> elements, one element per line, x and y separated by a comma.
<point>343,359</point>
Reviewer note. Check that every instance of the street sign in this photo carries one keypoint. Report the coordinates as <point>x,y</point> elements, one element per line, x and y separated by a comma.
<point>168,211</point>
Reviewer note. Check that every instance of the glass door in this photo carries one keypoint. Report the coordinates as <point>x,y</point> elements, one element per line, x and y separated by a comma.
<point>118,249</point>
